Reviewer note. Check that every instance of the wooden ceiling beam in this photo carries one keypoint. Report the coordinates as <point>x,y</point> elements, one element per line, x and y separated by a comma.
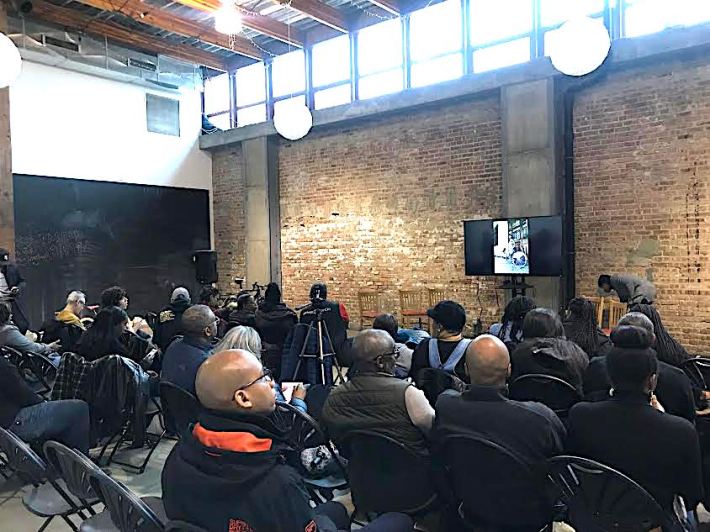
<point>391,6</point>
<point>254,21</point>
<point>164,20</point>
<point>319,11</point>
<point>69,18</point>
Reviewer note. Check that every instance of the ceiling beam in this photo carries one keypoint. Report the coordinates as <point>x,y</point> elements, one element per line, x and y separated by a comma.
<point>153,16</point>
<point>319,11</point>
<point>254,21</point>
<point>391,6</point>
<point>69,18</point>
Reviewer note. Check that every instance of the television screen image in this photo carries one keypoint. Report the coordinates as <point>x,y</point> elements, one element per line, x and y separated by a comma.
<point>511,247</point>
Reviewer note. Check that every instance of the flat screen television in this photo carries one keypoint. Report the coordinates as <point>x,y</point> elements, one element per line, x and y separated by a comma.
<point>514,246</point>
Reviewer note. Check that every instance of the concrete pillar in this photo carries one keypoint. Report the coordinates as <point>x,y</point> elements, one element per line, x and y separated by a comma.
<point>532,184</point>
<point>7,209</point>
<point>263,242</point>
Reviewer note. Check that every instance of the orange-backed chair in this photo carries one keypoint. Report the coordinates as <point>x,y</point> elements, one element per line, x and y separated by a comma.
<point>413,307</point>
<point>435,295</point>
<point>616,310</point>
<point>369,306</point>
<point>598,307</point>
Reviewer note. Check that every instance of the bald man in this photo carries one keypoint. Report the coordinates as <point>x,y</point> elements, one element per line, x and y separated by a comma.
<point>529,429</point>
<point>231,471</point>
<point>374,399</point>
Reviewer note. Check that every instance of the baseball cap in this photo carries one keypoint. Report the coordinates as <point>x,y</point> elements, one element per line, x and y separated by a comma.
<point>180,293</point>
<point>4,256</point>
<point>449,314</point>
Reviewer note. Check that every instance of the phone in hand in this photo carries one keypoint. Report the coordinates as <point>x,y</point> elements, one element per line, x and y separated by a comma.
<point>287,388</point>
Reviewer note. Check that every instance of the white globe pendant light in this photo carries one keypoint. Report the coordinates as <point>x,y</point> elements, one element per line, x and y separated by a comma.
<point>10,61</point>
<point>293,122</point>
<point>227,19</point>
<point>579,46</point>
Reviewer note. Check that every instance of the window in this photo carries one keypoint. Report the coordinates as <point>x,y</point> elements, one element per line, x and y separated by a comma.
<point>444,68</point>
<point>288,74</point>
<point>217,104</point>
<point>338,95</point>
<point>331,61</point>
<point>250,83</point>
<point>290,102</point>
<point>380,58</point>
<point>497,20</point>
<point>553,12</point>
<point>649,16</point>
<point>501,55</point>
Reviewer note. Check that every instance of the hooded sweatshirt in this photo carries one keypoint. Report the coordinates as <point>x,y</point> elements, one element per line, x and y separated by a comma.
<point>231,473</point>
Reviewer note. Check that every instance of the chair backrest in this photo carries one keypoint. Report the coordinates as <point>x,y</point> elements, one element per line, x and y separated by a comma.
<point>616,312</point>
<point>180,407</point>
<point>598,307</point>
<point>22,459</point>
<point>14,356</point>
<point>495,487</point>
<point>128,512</point>
<point>385,476</point>
<point>698,371</point>
<point>600,498</point>
<point>368,300</point>
<point>436,295</point>
<point>557,394</point>
<point>43,370</point>
<point>411,300</point>
<point>75,468</point>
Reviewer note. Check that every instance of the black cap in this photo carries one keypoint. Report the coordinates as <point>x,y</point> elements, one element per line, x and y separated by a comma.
<point>449,314</point>
<point>4,256</point>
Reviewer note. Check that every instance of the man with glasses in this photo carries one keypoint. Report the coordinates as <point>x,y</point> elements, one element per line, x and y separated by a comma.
<point>231,472</point>
<point>65,326</point>
<point>183,357</point>
<point>374,399</point>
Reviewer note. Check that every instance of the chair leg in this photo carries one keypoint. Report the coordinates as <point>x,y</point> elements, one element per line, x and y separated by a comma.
<point>69,522</point>
<point>45,524</point>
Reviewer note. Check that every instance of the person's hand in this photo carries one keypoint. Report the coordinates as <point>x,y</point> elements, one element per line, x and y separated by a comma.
<point>299,392</point>
<point>14,290</point>
<point>56,345</point>
<point>656,404</point>
<point>705,395</point>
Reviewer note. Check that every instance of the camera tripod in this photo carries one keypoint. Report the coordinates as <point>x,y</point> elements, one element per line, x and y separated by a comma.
<point>320,329</point>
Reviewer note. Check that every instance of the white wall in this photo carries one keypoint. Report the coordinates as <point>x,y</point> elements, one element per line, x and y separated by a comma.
<point>67,124</point>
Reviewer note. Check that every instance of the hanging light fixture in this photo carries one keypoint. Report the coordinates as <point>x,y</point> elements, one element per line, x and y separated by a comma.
<point>579,46</point>
<point>227,18</point>
<point>293,122</point>
<point>10,61</point>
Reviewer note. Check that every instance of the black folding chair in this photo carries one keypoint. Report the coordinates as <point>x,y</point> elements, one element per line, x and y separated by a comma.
<point>600,499</point>
<point>698,371</point>
<point>385,476</point>
<point>559,395</point>
<point>180,408</point>
<point>15,357</point>
<point>127,512</point>
<point>43,371</point>
<point>75,469</point>
<point>496,490</point>
<point>48,498</point>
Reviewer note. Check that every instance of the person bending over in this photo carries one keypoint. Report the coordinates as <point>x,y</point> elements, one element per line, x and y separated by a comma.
<point>231,472</point>
<point>630,288</point>
<point>630,433</point>
<point>35,420</point>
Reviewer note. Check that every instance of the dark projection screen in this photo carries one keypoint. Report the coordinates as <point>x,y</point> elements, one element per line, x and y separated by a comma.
<point>74,234</point>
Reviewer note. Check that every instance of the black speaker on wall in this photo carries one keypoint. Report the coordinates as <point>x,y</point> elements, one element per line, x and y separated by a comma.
<point>205,262</point>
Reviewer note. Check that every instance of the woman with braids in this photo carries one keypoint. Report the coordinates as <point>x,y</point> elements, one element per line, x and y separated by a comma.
<point>510,330</point>
<point>667,348</point>
<point>581,327</point>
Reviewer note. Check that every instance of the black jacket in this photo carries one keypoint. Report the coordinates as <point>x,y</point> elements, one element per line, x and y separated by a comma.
<point>15,393</point>
<point>169,323</point>
<point>274,322</point>
<point>13,277</point>
<point>240,481</point>
<point>241,317</point>
<point>335,317</point>
<point>658,450</point>
<point>67,334</point>
<point>557,357</point>
<point>674,390</point>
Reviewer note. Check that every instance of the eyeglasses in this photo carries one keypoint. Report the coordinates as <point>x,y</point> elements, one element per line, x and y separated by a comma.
<point>266,376</point>
<point>392,354</point>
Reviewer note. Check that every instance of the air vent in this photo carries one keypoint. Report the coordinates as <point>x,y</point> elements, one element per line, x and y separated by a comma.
<point>48,40</point>
<point>163,115</point>
<point>143,65</point>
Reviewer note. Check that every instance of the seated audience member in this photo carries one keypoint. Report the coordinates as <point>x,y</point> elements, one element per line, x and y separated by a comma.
<point>510,329</point>
<point>115,296</point>
<point>35,420</point>
<point>274,321</point>
<point>66,326</point>
<point>388,323</point>
<point>531,430</point>
<point>668,349</point>
<point>183,357</point>
<point>545,350</point>
<point>630,288</point>
<point>105,336</point>
<point>209,296</point>
<point>581,327</point>
<point>447,348</point>
<point>11,336</point>
<point>245,312</point>
<point>374,399</point>
<point>335,316</point>
<point>629,432</point>
<point>247,339</point>
<point>170,318</point>
<point>236,449</point>
<point>674,389</point>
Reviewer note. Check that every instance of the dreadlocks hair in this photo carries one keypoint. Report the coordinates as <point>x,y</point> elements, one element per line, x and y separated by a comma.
<point>581,325</point>
<point>514,314</point>
<point>667,347</point>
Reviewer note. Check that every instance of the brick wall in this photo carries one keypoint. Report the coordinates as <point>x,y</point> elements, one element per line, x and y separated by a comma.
<point>642,146</point>
<point>229,189</point>
<point>380,205</point>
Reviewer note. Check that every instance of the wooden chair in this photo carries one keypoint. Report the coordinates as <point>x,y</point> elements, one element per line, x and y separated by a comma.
<point>616,311</point>
<point>598,307</point>
<point>412,307</point>
<point>434,295</point>
<point>369,303</point>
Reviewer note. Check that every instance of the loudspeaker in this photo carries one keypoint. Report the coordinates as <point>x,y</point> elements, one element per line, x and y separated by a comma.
<point>205,262</point>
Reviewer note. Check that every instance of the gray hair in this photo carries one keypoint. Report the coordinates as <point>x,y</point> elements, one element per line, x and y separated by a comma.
<point>240,337</point>
<point>637,319</point>
<point>75,296</point>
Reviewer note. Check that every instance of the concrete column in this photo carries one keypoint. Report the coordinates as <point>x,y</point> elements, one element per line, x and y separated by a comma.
<point>532,184</point>
<point>7,209</point>
<point>263,242</point>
